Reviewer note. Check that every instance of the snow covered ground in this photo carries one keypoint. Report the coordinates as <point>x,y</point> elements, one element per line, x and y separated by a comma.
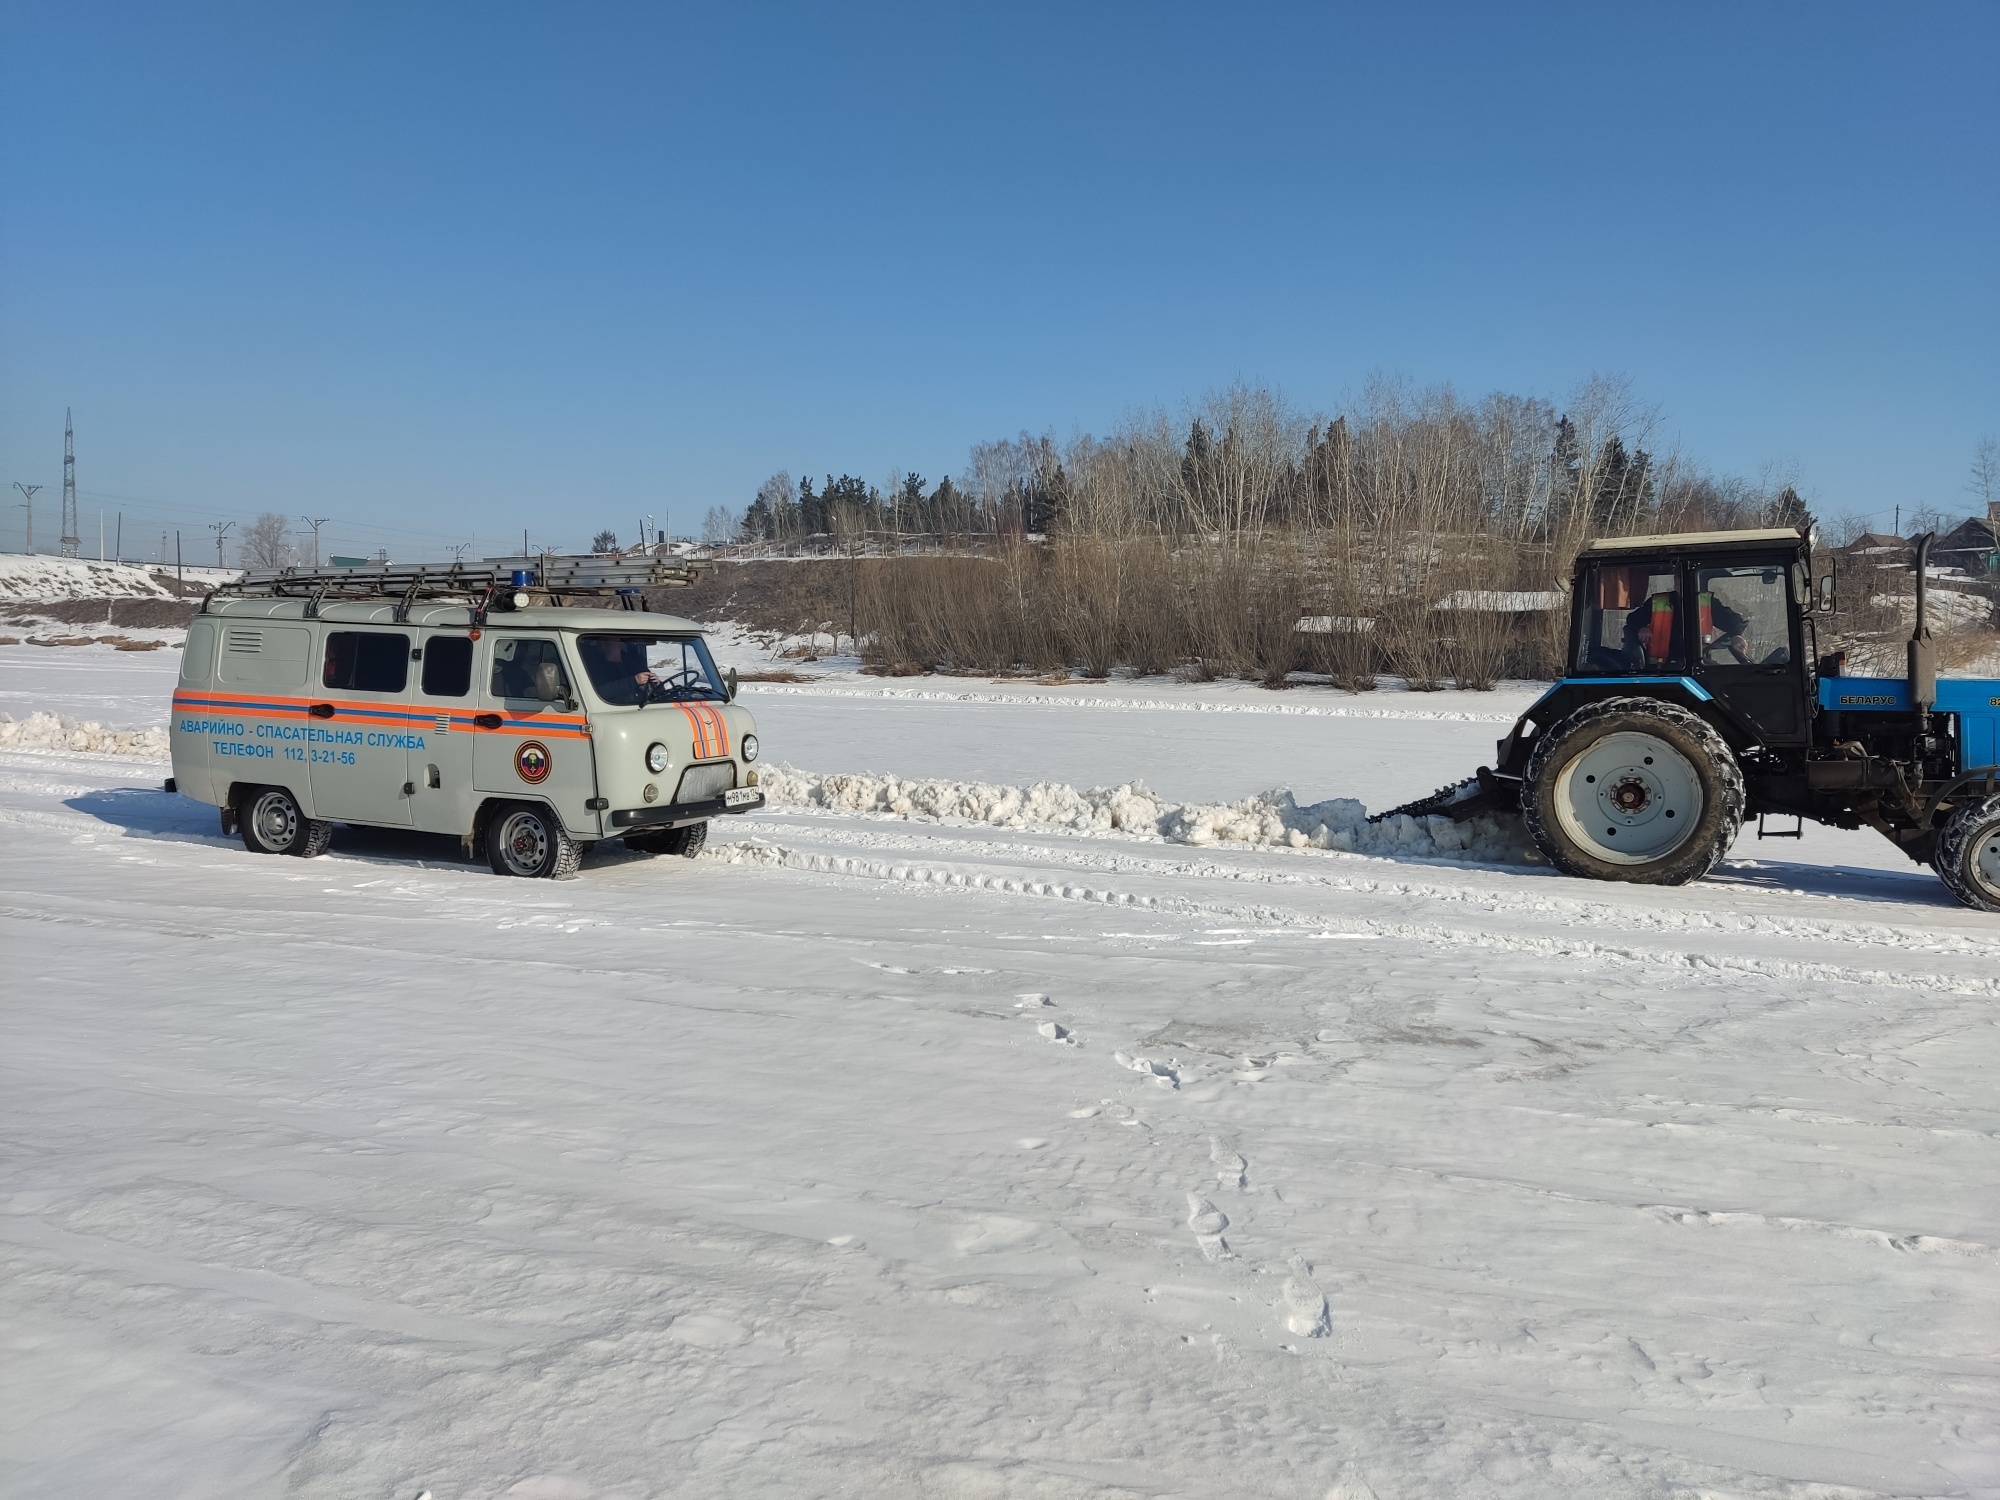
<point>883,1154</point>
<point>39,577</point>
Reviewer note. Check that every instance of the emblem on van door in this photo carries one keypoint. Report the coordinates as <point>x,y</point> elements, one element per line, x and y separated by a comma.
<point>532,762</point>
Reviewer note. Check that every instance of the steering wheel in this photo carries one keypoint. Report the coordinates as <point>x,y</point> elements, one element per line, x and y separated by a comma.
<point>668,683</point>
<point>1711,653</point>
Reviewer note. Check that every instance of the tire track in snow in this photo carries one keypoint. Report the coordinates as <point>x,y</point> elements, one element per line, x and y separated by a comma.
<point>1529,901</point>
<point>774,856</point>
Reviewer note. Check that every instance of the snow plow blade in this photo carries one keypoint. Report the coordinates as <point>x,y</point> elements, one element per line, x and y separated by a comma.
<point>1483,793</point>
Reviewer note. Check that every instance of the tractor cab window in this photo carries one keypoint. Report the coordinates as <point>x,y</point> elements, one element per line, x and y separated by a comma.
<point>1741,619</point>
<point>1631,620</point>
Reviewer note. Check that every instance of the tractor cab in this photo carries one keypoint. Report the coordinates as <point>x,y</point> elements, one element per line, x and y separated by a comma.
<point>1722,617</point>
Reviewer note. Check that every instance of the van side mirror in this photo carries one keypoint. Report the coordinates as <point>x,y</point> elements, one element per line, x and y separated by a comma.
<point>729,683</point>
<point>1826,594</point>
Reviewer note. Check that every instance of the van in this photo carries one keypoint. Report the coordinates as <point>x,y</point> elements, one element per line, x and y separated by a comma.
<point>529,734</point>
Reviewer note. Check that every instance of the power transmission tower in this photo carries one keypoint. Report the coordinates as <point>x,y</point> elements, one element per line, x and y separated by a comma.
<point>29,506</point>
<point>221,530</point>
<point>315,523</point>
<point>72,544</point>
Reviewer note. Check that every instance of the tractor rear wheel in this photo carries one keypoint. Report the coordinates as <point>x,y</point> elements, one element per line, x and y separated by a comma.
<point>1633,789</point>
<point>1968,855</point>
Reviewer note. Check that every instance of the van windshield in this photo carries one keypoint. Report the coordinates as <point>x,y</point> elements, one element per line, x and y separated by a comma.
<point>638,669</point>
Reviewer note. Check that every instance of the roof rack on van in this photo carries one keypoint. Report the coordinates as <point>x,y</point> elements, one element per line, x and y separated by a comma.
<point>496,580</point>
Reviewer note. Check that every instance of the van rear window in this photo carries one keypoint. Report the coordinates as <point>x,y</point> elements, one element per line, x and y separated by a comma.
<point>367,661</point>
<point>447,666</point>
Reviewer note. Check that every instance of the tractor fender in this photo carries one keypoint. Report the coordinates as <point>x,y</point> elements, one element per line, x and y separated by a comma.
<point>1571,693</point>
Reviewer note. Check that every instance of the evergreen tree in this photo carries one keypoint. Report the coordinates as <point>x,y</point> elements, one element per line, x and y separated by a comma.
<point>1565,471</point>
<point>1789,509</point>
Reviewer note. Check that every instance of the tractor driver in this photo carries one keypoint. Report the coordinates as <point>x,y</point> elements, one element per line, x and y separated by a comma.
<point>618,669</point>
<point>1649,628</point>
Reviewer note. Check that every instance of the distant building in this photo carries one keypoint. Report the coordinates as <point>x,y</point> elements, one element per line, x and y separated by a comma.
<point>1879,547</point>
<point>1971,547</point>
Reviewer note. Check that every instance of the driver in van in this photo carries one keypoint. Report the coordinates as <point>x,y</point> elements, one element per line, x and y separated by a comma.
<point>1649,628</point>
<point>620,670</point>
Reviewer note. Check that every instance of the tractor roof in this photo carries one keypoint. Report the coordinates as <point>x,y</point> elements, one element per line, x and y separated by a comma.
<point>1761,540</point>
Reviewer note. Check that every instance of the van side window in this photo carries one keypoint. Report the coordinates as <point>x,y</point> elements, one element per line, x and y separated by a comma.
<point>447,666</point>
<point>367,661</point>
<point>526,668</point>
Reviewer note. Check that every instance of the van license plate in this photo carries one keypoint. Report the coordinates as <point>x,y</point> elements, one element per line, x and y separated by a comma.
<point>736,796</point>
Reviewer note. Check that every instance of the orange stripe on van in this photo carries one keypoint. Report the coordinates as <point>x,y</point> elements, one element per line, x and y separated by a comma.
<point>710,730</point>
<point>403,713</point>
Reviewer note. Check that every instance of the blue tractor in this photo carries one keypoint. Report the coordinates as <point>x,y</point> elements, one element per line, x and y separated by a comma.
<point>1696,696</point>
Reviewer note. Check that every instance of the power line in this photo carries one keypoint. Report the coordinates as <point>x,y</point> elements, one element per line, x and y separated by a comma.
<point>221,530</point>
<point>29,506</point>
<point>315,523</point>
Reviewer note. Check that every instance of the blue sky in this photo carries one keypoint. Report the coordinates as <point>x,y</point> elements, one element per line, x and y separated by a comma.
<point>444,272</point>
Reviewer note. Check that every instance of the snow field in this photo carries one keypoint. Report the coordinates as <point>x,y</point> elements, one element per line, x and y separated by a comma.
<point>951,1135</point>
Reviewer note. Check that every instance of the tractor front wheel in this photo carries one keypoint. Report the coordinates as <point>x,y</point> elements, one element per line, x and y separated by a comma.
<point>1968,855</point>
<point>1633,789</point>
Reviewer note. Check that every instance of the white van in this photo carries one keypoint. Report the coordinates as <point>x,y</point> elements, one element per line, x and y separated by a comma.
<point>531,733</point>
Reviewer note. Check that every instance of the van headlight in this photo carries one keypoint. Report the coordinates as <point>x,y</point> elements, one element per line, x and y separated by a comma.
<point>656,758</point>
<point>749,748</point>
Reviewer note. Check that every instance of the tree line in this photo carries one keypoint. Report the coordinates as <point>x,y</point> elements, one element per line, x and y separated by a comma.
<point>1246,464</point>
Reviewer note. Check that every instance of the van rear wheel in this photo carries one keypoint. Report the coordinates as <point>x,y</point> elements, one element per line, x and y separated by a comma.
<point>529,842</point>
<point>271,822</point>
<point>1633,789</point>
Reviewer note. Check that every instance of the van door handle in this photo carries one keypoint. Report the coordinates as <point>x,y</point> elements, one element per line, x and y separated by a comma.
<point>487,721</point>
<point>321,710</point>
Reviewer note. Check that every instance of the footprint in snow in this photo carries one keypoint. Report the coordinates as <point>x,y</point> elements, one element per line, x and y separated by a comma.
<point>1231,1170</point>
<point>1031,1001</point>
<point>1164,1074</point>
<point>1057,1033</point>
<point>1305,1303</point>
<point>1207,1221</point>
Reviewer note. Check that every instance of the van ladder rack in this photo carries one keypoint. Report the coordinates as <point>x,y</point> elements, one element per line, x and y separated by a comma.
<point>479,583</point>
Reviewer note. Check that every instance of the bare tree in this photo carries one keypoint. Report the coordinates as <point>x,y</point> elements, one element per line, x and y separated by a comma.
<point>721,523</point>
<point>266,542</point>
<point>1984,481</point>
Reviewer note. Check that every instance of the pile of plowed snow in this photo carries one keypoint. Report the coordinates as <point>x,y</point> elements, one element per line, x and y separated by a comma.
<point>1272,818</point>
<point>40,731</point>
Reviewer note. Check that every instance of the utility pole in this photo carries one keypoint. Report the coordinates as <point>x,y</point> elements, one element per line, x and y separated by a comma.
<point>29,506</point>
<point>221,530</point>
<point>72,544</point>
<point>118,540</point>
<point>180,583</point>
<point>315,523</point>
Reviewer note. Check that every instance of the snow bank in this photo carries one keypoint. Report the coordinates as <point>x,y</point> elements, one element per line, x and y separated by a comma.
<point>40,731</point>
<point>37,578</point>
<point>1271,818</point>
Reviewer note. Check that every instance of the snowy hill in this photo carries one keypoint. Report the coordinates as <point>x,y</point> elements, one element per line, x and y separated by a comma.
<point>32,578</point>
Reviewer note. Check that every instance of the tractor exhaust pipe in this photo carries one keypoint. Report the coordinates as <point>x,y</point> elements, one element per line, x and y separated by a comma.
<point>1923,657</point>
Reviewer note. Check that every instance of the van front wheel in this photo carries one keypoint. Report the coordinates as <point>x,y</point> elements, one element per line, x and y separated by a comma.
<point>531,843</point>
<point>272,822</point>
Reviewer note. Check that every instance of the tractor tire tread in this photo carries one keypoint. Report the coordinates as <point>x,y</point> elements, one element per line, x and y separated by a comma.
<point>1955,842</point>
<point>1692,860</point>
